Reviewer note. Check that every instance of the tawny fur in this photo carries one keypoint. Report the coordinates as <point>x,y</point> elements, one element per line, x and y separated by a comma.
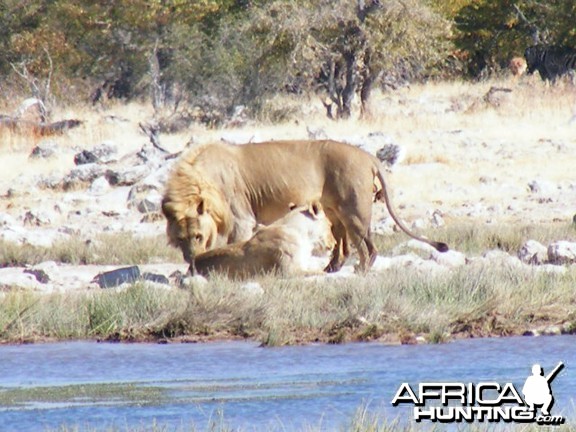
<point>218,193</point>
<point>284,247</point>
<point>517,66</point>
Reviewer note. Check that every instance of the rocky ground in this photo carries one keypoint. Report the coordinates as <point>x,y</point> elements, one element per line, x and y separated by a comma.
<point>449,163</point>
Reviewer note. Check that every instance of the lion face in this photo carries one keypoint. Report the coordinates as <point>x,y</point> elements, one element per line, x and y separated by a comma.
<point>192,229</point>
<point>314,226</point>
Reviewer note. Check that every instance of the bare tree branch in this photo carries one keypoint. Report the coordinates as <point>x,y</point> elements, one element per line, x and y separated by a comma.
<point>534,30</point>
<point>152,132</point>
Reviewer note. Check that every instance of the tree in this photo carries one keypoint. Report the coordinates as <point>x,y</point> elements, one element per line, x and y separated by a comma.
<point>224,53</point>
<point>340,48</point>
<point>100,41</point>
<point>492,31</point>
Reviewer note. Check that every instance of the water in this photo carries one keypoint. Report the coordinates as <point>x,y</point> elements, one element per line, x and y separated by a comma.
<point>97,386</point>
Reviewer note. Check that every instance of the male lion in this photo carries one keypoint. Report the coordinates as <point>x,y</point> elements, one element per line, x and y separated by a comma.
<point>216,194</point>
<point>286,246</point>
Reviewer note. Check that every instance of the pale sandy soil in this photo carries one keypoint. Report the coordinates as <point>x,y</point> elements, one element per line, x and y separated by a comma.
<point>508,160</point>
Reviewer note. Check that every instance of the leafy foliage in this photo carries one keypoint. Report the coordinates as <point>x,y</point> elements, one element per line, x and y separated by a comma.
<point>218,54</point>
<point>493,31</point>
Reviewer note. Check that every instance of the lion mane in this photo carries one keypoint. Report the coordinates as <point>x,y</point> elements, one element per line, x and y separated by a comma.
<point>218,193</point>
<point>189,185</point>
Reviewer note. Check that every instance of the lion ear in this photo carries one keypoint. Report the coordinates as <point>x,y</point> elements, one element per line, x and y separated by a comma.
<point>167,208</point>
<point>315,208</point>
<point>201,207</point>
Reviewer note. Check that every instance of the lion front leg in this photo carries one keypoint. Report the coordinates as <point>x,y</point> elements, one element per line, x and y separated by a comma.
<point>243,229</point>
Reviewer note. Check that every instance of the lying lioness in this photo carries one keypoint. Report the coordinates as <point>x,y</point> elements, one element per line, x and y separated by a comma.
<point>286,246</point>
<point>217,193</point>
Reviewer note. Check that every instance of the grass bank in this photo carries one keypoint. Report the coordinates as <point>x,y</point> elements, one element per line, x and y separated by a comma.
<point>363,421</point>
<point>400,305</point>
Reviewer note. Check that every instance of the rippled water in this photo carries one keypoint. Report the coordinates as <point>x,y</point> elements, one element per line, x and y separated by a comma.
<point>98,386</point>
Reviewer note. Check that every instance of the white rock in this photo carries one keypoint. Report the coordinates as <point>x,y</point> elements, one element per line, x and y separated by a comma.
<point>99,186</point>
<point>252,288</point>
<point>7,220</point>
<point>450,258</point>
<point>196,280</point>
<point>152,202</point>
<point>533,252</point>
<point>414,245</point>
<point>13,234</point>
<point>39,217</point>
<point>127,176</point>
<point>382,263</point>
<point>383,226</point>
<point>542,187</point>
<point>419,224</point>
<point>41,237</point>
<point>500,257</point>
<point>551,269</point>
<point>562,252</point>
<point>50,268</point>
<point>437,219</point>
<point>15,278</point>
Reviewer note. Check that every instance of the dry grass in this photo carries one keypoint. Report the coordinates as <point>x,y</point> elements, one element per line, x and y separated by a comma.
<point>119,249</point>
<point>465,155</point>
<point>398,306</point>
<point>474,239</point>
<point>452,137</point>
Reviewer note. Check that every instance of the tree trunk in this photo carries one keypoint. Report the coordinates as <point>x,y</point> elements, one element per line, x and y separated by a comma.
<point>368,78</point>
<point>350,87</point>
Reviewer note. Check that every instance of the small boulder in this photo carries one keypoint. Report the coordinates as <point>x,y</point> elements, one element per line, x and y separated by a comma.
<point>40,275</point>
<point>155,278</point>
<point>118,277</point>
<point>99,186</point>
<point>36,217</point>
<point>542,187</point>
<point>82,175</point>
<point>44,150</point>
<point>390,154</point>
<point>127,176</point>
<point>85,157</point>
<point>450,258</point>
<point>14,278</point>
<point>103,153</point>
<point>562,252</point>
<point>252,288</point>
<point>533,252</point>
<point>437,220</point>
<point>150,203</point>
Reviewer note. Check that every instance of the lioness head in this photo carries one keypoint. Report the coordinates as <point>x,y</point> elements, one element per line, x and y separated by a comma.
<point>190,227</point>
<point>311,221</point>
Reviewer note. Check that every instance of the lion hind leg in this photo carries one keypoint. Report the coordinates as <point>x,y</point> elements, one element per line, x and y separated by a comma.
<point>341,249</point>
<point>364,260</point>
<point>360,238</point>
<point>372,251</point>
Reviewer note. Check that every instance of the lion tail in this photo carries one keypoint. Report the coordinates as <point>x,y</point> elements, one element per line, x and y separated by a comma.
<point>382,195</point>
